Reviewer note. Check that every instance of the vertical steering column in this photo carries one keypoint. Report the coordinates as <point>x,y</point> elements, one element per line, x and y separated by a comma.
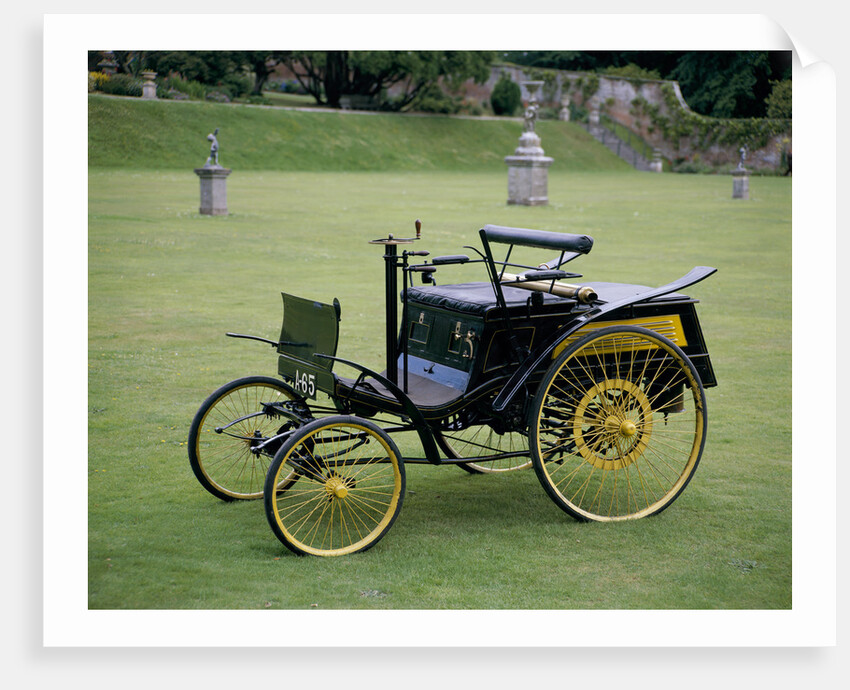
<point>391,264</point>
<point>391,282</point>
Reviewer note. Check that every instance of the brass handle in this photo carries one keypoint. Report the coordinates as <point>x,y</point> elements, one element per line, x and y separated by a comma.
<point>470,336</point>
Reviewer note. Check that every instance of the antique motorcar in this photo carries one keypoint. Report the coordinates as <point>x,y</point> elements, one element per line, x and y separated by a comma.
<point>597,386</point>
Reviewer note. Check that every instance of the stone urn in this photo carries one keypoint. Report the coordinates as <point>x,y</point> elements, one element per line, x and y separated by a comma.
<point>148,85</point>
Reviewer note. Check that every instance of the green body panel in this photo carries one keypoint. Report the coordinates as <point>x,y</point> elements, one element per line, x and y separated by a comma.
<point>309,328</point>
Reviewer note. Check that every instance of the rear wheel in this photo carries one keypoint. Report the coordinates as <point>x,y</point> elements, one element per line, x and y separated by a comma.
<point>227,428</point>
<point>618,425</point>
<point>348,491</point>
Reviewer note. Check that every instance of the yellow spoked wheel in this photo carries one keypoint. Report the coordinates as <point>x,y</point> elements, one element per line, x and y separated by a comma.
<point>618,425</point>
<point>348,491</point>
<point>226,431</point>
<point>482,442</point>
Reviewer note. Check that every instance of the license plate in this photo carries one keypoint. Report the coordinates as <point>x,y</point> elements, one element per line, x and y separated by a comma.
<point>305,383</point>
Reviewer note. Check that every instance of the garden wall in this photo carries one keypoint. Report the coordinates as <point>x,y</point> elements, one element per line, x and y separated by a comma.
<point>657,112</point>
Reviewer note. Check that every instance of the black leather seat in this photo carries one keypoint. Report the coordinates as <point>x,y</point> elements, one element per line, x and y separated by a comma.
<point>471,298</point>
<point>477,299</point>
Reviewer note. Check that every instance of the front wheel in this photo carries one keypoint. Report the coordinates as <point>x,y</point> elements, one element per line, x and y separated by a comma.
<point>348,489</point>
<point>618,425</point>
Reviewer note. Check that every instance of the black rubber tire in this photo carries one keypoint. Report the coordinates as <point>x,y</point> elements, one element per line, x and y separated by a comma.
<point>618,425</point>
<point>224,465</point>
<point>345,498</point>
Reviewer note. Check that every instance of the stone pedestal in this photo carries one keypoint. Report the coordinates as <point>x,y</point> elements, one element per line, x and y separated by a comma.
<point>528,180</point>
<point>740,183</point>
<point>528,173</point>
<point>655,165</point>
<point>213,190</point>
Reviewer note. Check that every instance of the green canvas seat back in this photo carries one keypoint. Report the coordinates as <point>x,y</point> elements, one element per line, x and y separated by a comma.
<point>309,327</point>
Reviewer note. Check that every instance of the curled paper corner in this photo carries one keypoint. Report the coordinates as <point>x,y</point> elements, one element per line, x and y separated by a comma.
<point>789,40</point>
<point>805,56</point>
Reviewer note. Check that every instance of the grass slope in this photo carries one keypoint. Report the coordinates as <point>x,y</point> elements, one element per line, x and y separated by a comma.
<point>170,135</point>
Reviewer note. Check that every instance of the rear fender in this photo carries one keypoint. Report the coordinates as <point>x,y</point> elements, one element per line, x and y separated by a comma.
<point>518,380</point>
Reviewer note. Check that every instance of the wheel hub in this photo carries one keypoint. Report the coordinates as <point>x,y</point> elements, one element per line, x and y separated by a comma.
<point>612,424</point>
<point>336,487</point>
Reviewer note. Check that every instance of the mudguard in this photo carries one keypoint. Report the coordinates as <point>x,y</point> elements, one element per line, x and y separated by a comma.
<point>517,381</point>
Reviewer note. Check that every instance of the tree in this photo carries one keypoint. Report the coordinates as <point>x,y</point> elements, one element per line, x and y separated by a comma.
<point>506,96</point>
<point>779,100</point>
<point>204,66</point>
<point>724,83</point>
<point>329,75</point>
<point>261,63</point>
<point>211,67</point>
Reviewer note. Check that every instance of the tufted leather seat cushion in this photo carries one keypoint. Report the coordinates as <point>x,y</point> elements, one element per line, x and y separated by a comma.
<point>471,298</point>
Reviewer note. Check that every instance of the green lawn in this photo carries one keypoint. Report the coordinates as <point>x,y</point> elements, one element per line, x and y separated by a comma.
<point>165,283</point>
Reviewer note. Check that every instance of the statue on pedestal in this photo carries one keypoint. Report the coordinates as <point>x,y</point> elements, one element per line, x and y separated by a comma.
<point>564,113</point>
<point>213,181</point>
<point>528,167</point>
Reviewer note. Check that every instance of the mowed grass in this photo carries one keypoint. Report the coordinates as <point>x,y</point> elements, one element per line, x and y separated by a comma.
<point>165,283</point>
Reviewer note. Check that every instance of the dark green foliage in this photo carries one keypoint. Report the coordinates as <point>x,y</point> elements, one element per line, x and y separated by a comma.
<point>234,85</point>
<point>434,100</point>
<point>329,75</point>
<point>693,167</point>
<point>124,61</point>
<point>724,84</point>
<point>506,97</point>
<point>180,89</point>
<point>632,71</point>
<point>564,59</point>
<point>677,123</point>
<point>262,64</point>
<point>121,85</point>
<point>94,59</point>
<point>209,67</point>
<point>779,100</point>
<point>228,70</point>
<point>225,72</point>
